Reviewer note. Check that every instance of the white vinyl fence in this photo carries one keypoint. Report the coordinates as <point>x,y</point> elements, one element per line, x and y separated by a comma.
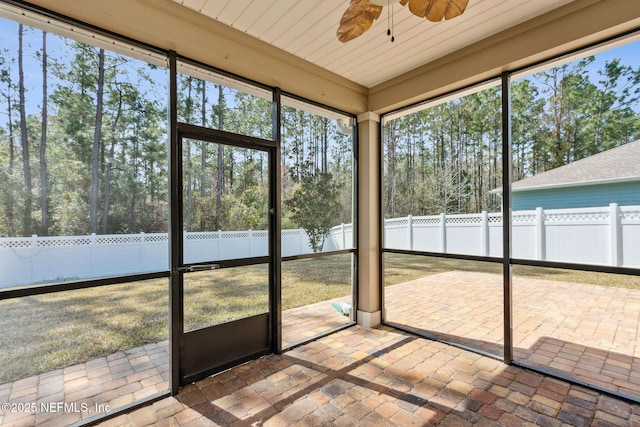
<point>607,235</point>
<point>36,259</point>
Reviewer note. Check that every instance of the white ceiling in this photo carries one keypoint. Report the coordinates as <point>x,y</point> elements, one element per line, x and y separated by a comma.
<point>307,29</point>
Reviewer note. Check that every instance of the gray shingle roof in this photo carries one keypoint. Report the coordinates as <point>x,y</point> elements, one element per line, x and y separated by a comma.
<point>617,164</point>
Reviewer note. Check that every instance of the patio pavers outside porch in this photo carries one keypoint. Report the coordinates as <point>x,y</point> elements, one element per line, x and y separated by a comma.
<point>587,332</point>
<point>90,388</point>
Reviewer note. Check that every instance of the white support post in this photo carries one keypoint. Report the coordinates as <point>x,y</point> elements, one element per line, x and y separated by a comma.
<point>141,250</point>
<point>219,254</point>
<point>443,233</point>
<point>615,250</point>
<point>92,252</point>
<point>540,235</point>
<point>34,252</point>
<point>410,232</point>
<point>344,237</point>
<point>484,233</point>
<point>250,242</point>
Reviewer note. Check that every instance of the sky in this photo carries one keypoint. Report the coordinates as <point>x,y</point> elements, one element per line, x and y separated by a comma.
<point>629,53</point>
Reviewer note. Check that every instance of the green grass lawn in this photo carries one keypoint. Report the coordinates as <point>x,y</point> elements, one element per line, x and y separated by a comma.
<point>400,268</point>
<point>222,295</point>
<point>47,332</point>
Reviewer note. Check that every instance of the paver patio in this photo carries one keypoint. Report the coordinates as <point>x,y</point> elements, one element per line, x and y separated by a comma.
<point>584,331</point>
<point>308,321</point>
<point>381,377</point>
<point>386,377</point>
<point>90,388</point>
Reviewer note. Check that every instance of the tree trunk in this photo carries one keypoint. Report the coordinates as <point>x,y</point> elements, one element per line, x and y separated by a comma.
<point>109,168</point>
<point>26,219</point>
<point>10,205</point>
<point>44,196</point>
<point>220,161</point>
<point>134,187</point>
<point>107,189</point>
<point>391,171</point>
<point>131,214</point>
<point>325,145</point>
<point>189,187</point>
<point>203,144</point>
<point>95,155</point>
<point>187,172</point>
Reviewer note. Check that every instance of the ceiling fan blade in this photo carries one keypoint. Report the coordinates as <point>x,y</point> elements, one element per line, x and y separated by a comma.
<point>456,8</point>
<point>357,19</point>
<point>418,7</point>
<point>436,10</point>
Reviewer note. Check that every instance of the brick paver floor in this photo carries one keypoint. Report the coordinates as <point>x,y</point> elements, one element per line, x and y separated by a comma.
<point>87,389</point>
<point>302,323</point>
<point>588,332</point>
<point>381,377</point>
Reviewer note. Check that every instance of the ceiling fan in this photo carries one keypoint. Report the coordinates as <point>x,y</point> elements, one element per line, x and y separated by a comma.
<point>360,14</point>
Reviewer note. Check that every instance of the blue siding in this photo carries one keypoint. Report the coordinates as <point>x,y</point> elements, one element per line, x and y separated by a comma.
<point>625,193</point>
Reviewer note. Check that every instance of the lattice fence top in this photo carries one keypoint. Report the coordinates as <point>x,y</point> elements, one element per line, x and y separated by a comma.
<point>577,217</point>
<point>201,236</point>
<point>525,217</point>
<point>115,240</point>
<point>436,220</point>
<point>15,243</point>
<point>426,220</point>
<point>156,238</point>
<point>228,235</point>
<point>495,218</point>
<point>240,235</point>
<point>50,242</point>
<point>396,222</point>
<point>69,241</point>
<point>464,219</point>
<point>630,214</point>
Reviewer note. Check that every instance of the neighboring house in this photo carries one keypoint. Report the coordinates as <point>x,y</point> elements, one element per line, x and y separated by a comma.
<point>612,176</point>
